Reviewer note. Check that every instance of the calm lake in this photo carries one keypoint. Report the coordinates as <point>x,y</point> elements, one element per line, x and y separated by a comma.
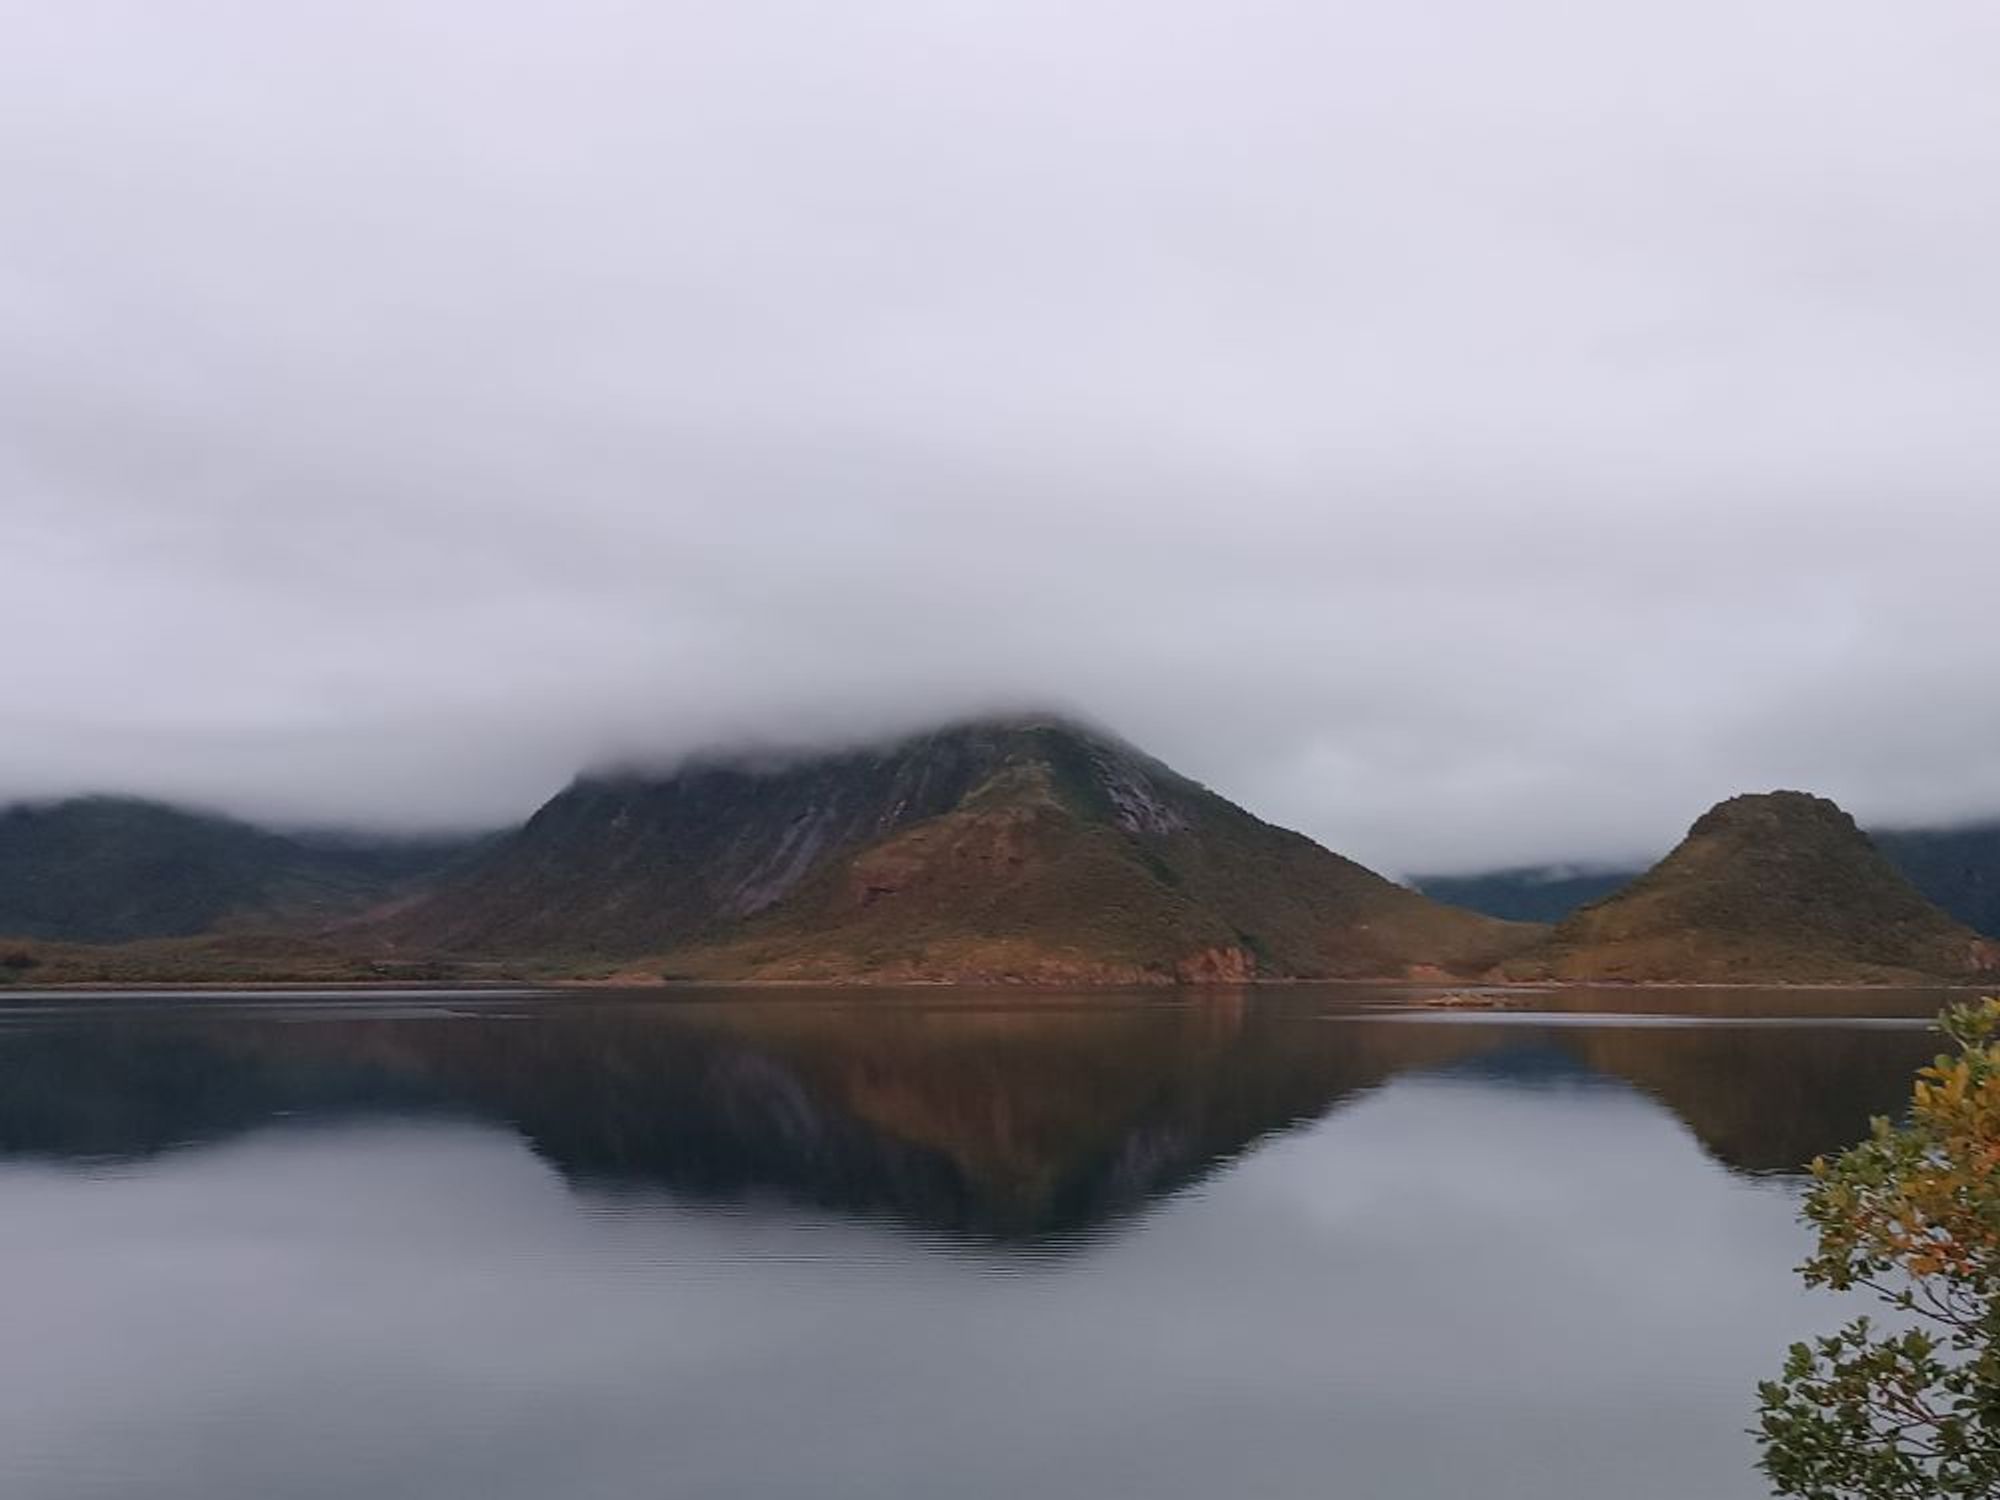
<point>1304,1242</point>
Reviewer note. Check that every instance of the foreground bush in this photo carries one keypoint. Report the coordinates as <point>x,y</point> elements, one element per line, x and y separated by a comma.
<point>1913,1215</point>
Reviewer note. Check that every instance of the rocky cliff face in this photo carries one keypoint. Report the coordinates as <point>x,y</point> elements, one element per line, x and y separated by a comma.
<point>1781,886</point>
<point>1022,849</point>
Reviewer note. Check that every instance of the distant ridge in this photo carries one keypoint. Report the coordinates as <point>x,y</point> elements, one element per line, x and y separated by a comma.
<point>1958,868</point>
<point>122,869</point>
<point>1526,893</point>
<point>1780,886</point>
<point>1028,848</point>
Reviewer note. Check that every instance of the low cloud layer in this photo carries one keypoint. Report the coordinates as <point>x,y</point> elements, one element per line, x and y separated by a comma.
<point>1464,431</point>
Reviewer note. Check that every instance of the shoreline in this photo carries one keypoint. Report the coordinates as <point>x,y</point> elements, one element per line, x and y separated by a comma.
<point>1444,991</point>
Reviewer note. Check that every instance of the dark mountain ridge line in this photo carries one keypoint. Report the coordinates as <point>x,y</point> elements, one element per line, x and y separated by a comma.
<point>106,868</point>
<point>1022,848</point>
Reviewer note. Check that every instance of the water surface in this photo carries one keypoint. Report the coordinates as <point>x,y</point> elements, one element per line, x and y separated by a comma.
<point>1288,1243</point>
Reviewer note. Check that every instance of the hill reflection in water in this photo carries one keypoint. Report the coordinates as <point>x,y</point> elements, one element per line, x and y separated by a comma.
<point>999,1118</point>
<point>1290,1243</point>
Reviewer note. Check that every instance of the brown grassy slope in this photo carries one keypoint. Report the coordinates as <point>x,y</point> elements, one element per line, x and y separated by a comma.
<point>1778,887</point>
<point>1012,886</point>
<point>1008,850</point>
<point>1304,910</point>
<point>1022,883</point>
<point>628,862</point>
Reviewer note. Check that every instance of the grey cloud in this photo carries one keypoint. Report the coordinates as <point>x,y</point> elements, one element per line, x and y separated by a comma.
<point>1465,432</point>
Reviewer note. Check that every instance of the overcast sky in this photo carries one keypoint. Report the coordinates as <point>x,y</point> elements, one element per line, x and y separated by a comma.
<point>1466,430</point>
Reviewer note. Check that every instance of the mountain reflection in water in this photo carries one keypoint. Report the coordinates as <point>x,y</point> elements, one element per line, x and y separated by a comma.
<point>995,1118</point>
<point>1291,1243</point>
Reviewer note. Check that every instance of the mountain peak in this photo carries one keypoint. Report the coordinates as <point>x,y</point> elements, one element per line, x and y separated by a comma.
<point>1007,846</point>
<point>1767,813</point>
<point>1014,729</point>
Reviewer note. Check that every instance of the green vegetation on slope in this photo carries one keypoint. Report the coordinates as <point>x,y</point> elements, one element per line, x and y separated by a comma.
<point>1779,887</point>
<point>1019,849</point>
<point>118,869</point>
<point>1958,869</point>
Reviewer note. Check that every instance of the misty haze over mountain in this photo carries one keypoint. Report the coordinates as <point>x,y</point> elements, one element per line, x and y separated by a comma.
<point>1467,434</point>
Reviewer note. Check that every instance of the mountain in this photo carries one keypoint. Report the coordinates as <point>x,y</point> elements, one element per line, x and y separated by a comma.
<point>1011,849</point>
<point>1957,868</point>
<point>1774,887</point>
<point>119,869</point>
<point>1525,893</point>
